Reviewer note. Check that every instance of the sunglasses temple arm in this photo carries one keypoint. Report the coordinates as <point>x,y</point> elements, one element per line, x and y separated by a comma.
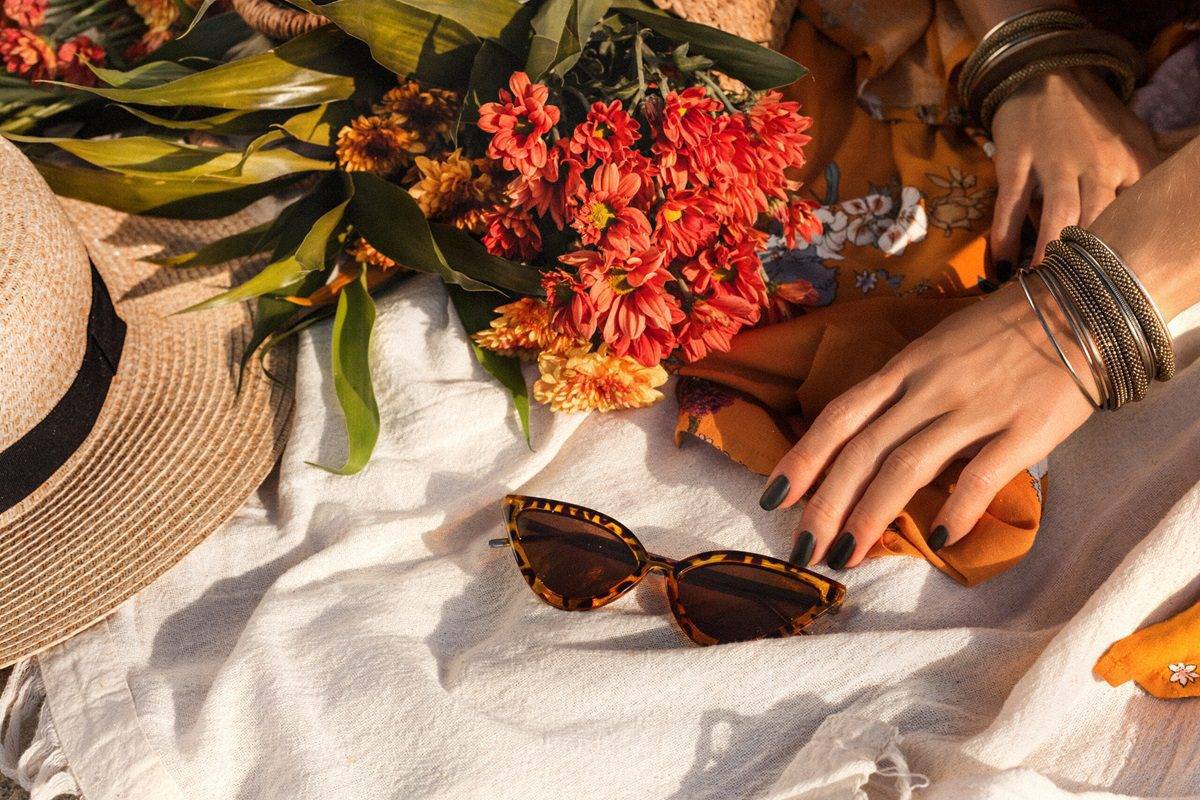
<point>498,543</point>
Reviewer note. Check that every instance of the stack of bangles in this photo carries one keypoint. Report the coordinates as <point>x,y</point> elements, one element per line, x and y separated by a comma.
<point>1120,331</point>
<point>1034,43</point>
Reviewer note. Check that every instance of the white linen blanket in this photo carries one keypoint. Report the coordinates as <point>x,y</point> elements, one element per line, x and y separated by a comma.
<point>356,638</point>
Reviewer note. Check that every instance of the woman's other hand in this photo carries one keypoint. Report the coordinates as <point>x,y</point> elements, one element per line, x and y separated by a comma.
<point>1066,137</point>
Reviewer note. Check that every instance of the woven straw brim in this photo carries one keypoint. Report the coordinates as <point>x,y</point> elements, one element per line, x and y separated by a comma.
<point>174,452</point>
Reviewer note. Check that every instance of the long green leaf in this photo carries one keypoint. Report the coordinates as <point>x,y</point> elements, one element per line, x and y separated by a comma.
<point>465,254</point>
<point>152,73</point>
<point>353,325</point>
<point>159,158</point>
<point>560,30</point>
<point>213,37</point>
<point>227,122</point>
<point>752,64</point>
<point>404,38</point>
<point>319,126</point>
<point>475,311</point>
<point>390,219</point>
<point>244,243</point>
<point>317,67</point>
<point>285,274</point>
<point>156,196</point>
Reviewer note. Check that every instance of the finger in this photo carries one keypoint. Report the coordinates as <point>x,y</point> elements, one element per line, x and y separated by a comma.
<point>826,512</point>
<point>1094,197</point>
<point>1060,208</point>
<point>1012,207</point>
<point>981,480</point>
<point>910,467</point>
<point>840,420</point>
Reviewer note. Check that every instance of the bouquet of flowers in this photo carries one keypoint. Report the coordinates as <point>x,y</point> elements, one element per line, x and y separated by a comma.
<point>62,40</point>
<point>592,179</point>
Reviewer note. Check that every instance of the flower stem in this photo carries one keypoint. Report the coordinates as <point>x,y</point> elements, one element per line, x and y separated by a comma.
<point>715,89</point>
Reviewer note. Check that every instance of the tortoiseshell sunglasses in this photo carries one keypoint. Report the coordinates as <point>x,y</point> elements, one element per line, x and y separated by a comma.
<point>578,559</point>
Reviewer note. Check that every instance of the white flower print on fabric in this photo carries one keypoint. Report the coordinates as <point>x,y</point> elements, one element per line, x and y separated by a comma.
<point>1183,674</point>
<point>872,221</point>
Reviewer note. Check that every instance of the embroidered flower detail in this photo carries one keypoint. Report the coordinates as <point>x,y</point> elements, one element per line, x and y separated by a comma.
<point>1183,674</point>
<point>865,280</point>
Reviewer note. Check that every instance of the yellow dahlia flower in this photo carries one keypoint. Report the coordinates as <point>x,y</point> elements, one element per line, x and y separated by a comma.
<point>429,112</point>
<point>596,381</point>
<point>455,189</point>
<point>523,327</point>
<point>376,144</point>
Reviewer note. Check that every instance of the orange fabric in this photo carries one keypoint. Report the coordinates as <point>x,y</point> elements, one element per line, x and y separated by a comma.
<point>1164,658</point>
<point>906,206</point>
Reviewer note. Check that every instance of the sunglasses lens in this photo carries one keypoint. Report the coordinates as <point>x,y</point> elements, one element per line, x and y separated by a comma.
<point>574,558</point>
<point>732,602</point>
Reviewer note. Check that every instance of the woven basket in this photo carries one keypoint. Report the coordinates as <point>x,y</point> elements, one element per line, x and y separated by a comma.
<point>275,21</point>
<point>762,21</point>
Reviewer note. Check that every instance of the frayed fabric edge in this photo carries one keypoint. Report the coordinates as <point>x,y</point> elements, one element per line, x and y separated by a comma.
<point>31,753</point>
<point>846,753</point>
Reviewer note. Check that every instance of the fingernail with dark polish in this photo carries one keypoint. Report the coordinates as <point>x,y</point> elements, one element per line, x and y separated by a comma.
<point>773,495</point>
<point>1004,270</point>
<point>802,552</point>
<point>841,551</point>
<point>937,539</point>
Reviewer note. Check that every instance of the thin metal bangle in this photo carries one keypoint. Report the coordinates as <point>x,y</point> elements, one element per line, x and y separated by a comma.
<point>1027,13</point>
<point>1087,345</point>
<point>1062,356</point>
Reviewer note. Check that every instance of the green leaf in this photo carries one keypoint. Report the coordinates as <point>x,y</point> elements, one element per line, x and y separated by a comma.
<point>389,218</point>
<point>752,64</point>
<point>159,158</point>
<point>157,196</point>
<point>353,325</point>
<point>319,126</point>
<point>317,67</point>
<point>271,314</point>
<point>475,311</point>
<point>560,30</point>
<point>406,39</point>
<point>286,273</point>
<point>211,38</point>
<point>227,122</point>
<point>153,73</point>
<point>247,242</point>
<point>199,15</point>
<point>489,72</point>
<point>468,256</point>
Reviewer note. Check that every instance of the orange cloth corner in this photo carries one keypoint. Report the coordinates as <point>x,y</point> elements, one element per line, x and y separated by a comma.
<point>1164,658</point>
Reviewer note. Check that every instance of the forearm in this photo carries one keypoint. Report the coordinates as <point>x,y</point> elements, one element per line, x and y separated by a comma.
<point>982,15</point>
<point>1155,226</point>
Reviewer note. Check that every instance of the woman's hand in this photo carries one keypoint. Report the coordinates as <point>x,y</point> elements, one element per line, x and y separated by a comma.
<point>983,384</point>
<point>1067,137</point>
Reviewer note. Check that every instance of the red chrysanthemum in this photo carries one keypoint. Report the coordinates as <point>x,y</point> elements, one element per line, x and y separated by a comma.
<point>780,130</point>
<point>26,54</point>
<point>555,189</point>
<point>605,214</point>
<point>605,135</point>
<point>786,300</point>
<point>24,13</point>
<point>711,324</point>
<point>685,222</point>
<point>74,56</point>
<point>728,269</point>
<point>799,219</point>
<point>687,116</point>
<point>517,124</point>
<point>572,312</point>
<point>511,233</point>
<point>636,313</point>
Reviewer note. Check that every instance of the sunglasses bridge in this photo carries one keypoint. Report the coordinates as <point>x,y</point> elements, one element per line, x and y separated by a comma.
<point>655,563</point>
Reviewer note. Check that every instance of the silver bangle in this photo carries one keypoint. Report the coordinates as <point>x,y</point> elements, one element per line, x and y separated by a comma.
<point>1085,341</point>
<point>1062,356</point>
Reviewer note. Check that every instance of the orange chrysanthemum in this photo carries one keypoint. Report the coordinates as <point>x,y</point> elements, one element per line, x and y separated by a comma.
<point>456,189</point>
<point>362,252</point>
<point>523,327</point>
<point>26,55</point>
<point>596,381</point>
<point>159,15</point>
<point>376,144</point>
<point>28,14</point>
<point>429,112</point>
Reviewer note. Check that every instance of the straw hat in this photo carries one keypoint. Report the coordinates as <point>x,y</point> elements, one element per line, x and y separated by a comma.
<point>123,438</point>
<point>762,21</point>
